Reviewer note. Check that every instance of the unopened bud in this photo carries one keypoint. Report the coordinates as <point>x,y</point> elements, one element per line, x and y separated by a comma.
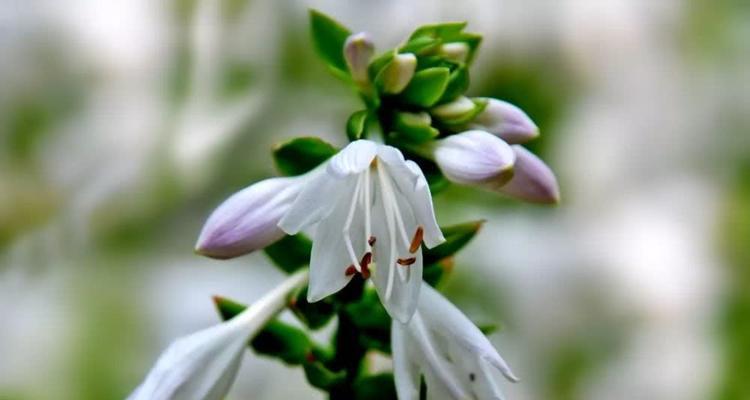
<point>247,220</point>
<point>533,180</point>
<point>455,110</point>
<point>398,73</point>
<point>507,121</point>
<point>457,51</point>
<point>475,158</point>
<point>358,50</point>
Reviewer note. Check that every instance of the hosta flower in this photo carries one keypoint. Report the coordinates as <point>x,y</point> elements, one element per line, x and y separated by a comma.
<point>247,220</point>
<point>441,344</point>
<point>203,365</point>
<point>507,121</point>
<point>533,180</point>
<point>371,210</point>
<point>475,158</point>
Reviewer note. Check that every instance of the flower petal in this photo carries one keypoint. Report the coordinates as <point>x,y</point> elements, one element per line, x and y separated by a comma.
<point>314,200</point>
<point>411,183</point>
<point>353,159</point>
<point>406,372</point>
<point>404,294</point>
<point>247,220</point>
<point>330,258</point>
<point>533,180</point>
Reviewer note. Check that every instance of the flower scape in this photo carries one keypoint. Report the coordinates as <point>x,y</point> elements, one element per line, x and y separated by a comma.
<point>356,232</point>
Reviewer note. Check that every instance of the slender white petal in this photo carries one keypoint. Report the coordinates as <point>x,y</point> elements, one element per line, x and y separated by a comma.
<point>456,359</point>
<point>475,158</point>
<point>413,186</point>
<point>247,220</point>
<point>203,365</point>
<point>314,200</point>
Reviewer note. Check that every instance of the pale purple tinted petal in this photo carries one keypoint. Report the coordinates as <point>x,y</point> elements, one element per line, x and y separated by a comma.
<point>475,158</point>
<point>533,180</point>
<point>507,121</point>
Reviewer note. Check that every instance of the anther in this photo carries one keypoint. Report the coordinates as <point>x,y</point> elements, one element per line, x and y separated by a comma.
<point>371,240</point>
<point>365,265</point>
<point>417,240</point>
<point>350,270</point>
<point>406,261</point>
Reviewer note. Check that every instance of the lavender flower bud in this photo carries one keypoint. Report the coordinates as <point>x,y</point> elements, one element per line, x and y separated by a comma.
<point>398,73</point>
<point>507,121</point>
<point>533,180</point>
<point>247,220</point>
<point>475,158</point>
<point>358,50</point>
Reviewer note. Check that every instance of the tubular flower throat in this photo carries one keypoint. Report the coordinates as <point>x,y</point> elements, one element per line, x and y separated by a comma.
<point>371,210</point>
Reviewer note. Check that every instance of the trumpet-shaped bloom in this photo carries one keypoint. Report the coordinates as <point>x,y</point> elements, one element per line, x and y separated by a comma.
<point>247,220</point>
<point>441,344</point>
<point>203,365</point>
<point>371,210</point>
<point>475,158</point>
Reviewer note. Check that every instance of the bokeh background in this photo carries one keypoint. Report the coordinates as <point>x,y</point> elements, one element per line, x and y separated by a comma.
<point>122,124</point>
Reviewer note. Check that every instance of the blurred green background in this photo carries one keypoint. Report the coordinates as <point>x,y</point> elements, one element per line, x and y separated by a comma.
<point>122,124</point>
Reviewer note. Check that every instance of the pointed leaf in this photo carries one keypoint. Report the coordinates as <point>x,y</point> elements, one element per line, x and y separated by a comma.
<point>458,83</point>
<point>426,87</point>
<point>414,127</point>
<point>328,37</point>
<point>300,155</point>
<point>321,377</point>
<point>356,125</point>
<point>456,237</point>
<point>314,315</point>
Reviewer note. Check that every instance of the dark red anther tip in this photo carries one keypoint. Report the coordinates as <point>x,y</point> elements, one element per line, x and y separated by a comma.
<point>417,240</point>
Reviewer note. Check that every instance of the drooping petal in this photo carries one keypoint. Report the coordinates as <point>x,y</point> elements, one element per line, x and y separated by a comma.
<point>533,180</point>
<point>405,280</point>
<point>406,372</point>
<point>247,220</point>
<point>507,121</point>
<point>315,200</point>
<point>330,257</point>
<point>412,185</point>
<point>475,158</point>
<point>353,159</point>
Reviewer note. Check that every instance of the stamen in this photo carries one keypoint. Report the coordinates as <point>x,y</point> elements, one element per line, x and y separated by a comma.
<point>350,270</point>
<point>391,231</point>
<point>367,202</point>
<point>417,240</point>
<point>406,261</point>
<point>371,241</point>
<point>365,263</point>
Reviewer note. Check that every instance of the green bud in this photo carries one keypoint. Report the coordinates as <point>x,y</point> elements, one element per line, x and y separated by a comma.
<point>455,110</point>
<point>397,74</point>
<point>458,51</point>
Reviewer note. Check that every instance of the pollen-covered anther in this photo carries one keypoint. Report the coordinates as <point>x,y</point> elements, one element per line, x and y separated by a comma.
<point>406,261</point>
<point>416,241</point>
<point>350,270</point>
<point>371,241</point>
<point>365,264</point>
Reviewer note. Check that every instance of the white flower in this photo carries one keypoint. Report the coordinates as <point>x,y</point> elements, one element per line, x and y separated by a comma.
<point>203,365</point>
<point>441,344</point>
<point>247,220</point>
<point>475,158</point>
<point>371,210</point>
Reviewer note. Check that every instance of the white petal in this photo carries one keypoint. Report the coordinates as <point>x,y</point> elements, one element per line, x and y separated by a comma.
<point>315,200</point>
<point>353,159</point>
<point>247,220</point>
<point>330,259</point>
<point>404,296</point>
<point>411,183</point>
<point>200,366</point>
<point>405,368</point>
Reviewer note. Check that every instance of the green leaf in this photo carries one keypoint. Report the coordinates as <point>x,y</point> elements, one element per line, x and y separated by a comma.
<point>321,377</point>
<point>356,125</point>
<point>414,127</point>
<point>372,322</point>
<point>434,273</point>
<point>328,37</point>
<point>375,387</point>
<point>439,30</point>
<point>290,253</point>
<point>277,339</point>
<point>420,46</point>
<point>456,237</point>
<point>314,315</point>
<point>300,155</point>
<point>458,83</point>
<point>379,63</point>
<point>426,87</point>
<point>488,329</point>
